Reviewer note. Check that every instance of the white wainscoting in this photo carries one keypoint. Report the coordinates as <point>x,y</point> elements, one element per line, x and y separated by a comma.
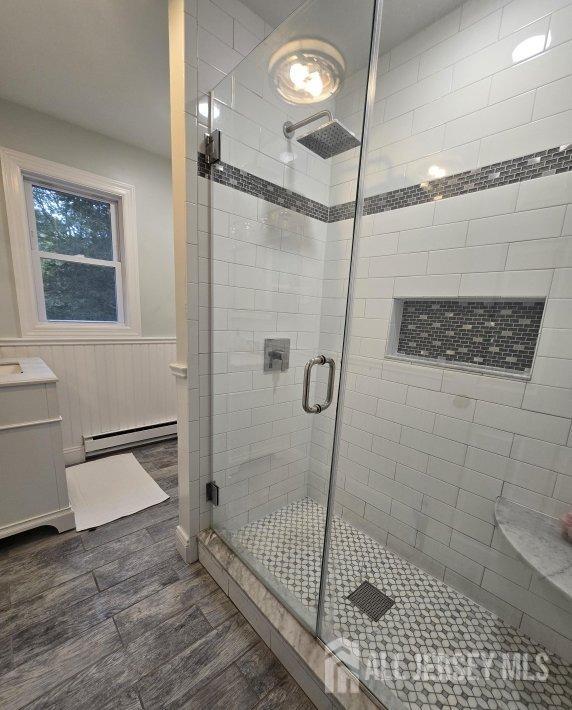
<point>107,385</point>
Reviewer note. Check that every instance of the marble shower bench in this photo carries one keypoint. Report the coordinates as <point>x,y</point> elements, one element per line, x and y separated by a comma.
<point>537,539</point>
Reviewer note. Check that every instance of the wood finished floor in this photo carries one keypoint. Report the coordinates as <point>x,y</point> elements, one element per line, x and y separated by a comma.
<point>113,619</point>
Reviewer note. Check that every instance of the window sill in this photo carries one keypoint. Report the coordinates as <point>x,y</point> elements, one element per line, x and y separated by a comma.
<point>83,332</point>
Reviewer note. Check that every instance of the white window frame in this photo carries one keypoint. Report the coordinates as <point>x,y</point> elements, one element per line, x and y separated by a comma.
<point>17,171</point>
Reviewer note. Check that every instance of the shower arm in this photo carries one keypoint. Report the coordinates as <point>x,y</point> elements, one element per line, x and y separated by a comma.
<point>290,128</point>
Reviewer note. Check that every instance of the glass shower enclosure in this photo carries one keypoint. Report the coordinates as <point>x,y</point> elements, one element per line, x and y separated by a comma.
<point>279,289</point>
<point>389,250</point>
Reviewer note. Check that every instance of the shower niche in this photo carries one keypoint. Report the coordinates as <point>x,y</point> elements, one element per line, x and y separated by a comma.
<point>482,334</point>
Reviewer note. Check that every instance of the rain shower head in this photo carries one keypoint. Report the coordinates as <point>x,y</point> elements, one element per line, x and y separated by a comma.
<point>328,140</point>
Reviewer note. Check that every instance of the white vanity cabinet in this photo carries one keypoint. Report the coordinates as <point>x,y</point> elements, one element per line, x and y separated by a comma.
<point>33,488</point>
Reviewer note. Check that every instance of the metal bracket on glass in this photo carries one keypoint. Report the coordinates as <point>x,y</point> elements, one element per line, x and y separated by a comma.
<point>317,408</point>
<point>212,492</point>
<point>212,147</point>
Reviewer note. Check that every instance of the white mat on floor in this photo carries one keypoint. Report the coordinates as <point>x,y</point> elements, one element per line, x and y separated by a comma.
<point>109,488</point>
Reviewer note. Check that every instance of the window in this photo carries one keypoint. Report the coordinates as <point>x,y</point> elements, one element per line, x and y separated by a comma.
<point>73,248</point>
<point>76,255</point>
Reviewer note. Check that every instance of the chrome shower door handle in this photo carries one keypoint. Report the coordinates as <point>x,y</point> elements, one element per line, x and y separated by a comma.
<point>306,406</point>
<point>317,408</point>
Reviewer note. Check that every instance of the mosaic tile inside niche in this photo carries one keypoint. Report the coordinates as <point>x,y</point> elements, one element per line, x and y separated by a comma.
<point>497,334</point>
<point>428,616</point>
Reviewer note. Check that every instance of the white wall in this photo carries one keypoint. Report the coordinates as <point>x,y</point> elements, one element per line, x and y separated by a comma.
<point>284,248</point>
<point>43,136</point>
<point>451,96</point>
<point>207,40</point>
<point>426,450</point>
<point>268,264</point>
<point>267,279</point>
<point>103,386</point>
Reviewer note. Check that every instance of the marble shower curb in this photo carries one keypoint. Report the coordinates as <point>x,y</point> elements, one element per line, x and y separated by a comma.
<point>305,657</point>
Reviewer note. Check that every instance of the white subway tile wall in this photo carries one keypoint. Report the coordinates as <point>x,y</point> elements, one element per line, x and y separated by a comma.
<point>261,274</point>
<point>425,450</point>
<point>217,36</point>
<point>267,282</point>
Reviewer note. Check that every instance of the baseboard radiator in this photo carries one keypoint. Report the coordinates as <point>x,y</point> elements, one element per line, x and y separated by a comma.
<point>116,440</point>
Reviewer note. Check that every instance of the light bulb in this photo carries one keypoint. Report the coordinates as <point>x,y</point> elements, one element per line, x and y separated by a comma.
<point>298,74</point>
<point>314,84</point>
<point>307,71</point>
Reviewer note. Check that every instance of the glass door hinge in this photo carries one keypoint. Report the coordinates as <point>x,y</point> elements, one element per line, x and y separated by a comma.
<point>212,147</point>
<point>212,492</point>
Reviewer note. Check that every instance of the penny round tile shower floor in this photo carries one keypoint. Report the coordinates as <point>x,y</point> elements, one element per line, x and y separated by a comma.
<point>429,620</point>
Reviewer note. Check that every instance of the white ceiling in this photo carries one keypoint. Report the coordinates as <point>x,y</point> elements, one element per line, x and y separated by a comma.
<point>400,18</point>
<point>101,64</point>
<point>273,11</point>
<point>347,26</point>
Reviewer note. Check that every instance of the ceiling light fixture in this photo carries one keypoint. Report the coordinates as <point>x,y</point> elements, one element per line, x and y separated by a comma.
<point>307,71</point>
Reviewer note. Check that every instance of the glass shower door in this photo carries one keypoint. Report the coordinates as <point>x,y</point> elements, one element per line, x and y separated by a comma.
<point>454,448</point>
<point>290,118</point>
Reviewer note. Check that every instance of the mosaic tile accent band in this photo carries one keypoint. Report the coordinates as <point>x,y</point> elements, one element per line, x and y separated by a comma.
<point>526,167</point>
<point>498,334</point>
<point>226,174</point>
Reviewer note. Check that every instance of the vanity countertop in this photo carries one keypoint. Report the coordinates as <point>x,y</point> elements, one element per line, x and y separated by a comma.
<point>537,539</point>
<point>31,370</point>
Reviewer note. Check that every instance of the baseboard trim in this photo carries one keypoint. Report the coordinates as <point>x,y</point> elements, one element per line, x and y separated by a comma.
<point>186,546</point>
<point>97,444</point>
<point>74,455</point>
<point>62,520</point>
<point>78,340</point>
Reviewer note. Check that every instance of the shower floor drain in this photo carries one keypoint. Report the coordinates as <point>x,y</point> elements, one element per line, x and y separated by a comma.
<point>371,600</point>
